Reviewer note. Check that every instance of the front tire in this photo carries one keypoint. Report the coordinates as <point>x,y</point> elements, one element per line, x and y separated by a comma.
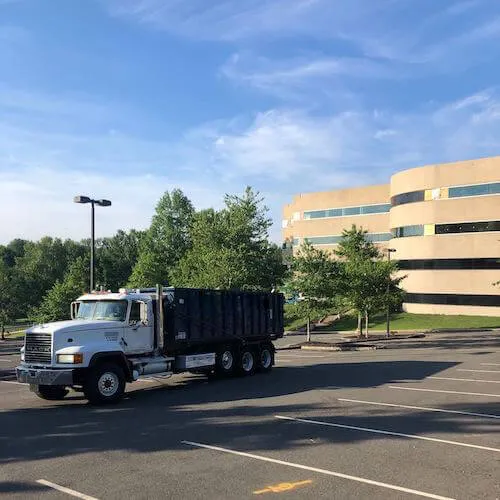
<point>51,392</point>
<point>105,384</point>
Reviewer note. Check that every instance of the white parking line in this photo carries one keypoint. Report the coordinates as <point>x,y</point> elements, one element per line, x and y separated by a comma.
<point>65,490</point>
<point>445,392</point>
<point>319,471</point>
<point>490,364</point>
<point>478,371</point>
<point>467,380</point>
<point>440,410</point>
<point>387,433</point>
<point>12,382</point>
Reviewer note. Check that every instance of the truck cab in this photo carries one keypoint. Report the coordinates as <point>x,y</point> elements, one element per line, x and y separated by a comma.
<point>115,329</point>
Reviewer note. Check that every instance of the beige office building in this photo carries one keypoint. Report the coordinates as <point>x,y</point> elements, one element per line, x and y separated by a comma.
<point>443,221</point>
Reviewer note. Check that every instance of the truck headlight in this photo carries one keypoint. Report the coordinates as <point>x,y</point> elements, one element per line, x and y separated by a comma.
<point>73,359</point>
<point>22,354</point>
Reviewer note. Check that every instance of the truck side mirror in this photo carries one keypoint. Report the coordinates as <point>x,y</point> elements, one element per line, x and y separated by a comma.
<point>144,313</point>
<point>74,309</point>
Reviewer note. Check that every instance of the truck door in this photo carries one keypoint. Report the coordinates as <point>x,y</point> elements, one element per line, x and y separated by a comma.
<point>138,334</point>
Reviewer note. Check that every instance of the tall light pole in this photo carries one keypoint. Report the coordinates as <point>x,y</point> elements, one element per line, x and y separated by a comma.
<point>101,203</point>
<point>388,318</point>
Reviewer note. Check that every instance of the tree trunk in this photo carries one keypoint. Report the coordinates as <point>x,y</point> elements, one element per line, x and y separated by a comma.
<point>358,330</point>
<point>366,323</point>
<point>308,329</point>
<point>3,331</point>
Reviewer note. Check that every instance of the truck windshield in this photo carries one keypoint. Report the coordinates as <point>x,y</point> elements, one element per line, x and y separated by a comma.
<point>111,310</point>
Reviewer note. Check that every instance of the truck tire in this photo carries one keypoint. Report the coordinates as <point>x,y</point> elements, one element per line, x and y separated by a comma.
<point>105,384</point>
<point>247,362</point>
<point>225,362</point>
<point>266,358</point>
<point>51,392</point>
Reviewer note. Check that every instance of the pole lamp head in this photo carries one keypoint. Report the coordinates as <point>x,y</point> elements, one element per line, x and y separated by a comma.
<point>82,199</point>
<point>103,203</point>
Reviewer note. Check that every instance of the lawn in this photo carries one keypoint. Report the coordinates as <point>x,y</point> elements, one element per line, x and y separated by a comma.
<point>402,321</point>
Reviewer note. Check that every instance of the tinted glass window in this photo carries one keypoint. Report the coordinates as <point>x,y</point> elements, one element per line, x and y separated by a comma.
<point>351,211</point>
<point>468,227</point>
<point>324,240</point>
<point>453,299</point>
<point>403,232</point>
<point>476,190</point>
<point>447,264</point>
<point>375,209</point>
<point>343,212</point>
<point>403,198</point>
<point>375,237</point>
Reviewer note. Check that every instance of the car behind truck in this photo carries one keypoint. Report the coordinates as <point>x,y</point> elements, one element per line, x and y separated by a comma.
<point>117,338</point>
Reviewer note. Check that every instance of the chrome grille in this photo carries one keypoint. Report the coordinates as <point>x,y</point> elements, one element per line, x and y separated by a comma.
<point>38,348</point>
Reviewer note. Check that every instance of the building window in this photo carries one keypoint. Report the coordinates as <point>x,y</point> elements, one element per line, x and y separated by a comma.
<point>404,198</point>
<point>453,299</point>
<point>448,264</point>
<point>458,227</point>
<point>474,190</point>
<point>334,240</point>
<point>405,231</point>
<point>468,227</point>
<point>443,193</point>
<point>347,211</point>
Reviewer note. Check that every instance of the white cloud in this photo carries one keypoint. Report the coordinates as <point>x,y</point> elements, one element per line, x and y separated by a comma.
<point>280,152</point>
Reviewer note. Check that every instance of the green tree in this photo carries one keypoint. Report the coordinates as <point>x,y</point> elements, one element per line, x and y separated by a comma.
<point>116,257</point>
<point>43,263</point>
<point>7,304</point>
<point>230,248</point>
<point>317,278</point>
<point>369,282</point>
<point>165,242</point>
<point>55,305</point>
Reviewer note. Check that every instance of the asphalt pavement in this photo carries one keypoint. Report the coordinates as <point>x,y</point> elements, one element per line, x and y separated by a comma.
<point>420,418</point>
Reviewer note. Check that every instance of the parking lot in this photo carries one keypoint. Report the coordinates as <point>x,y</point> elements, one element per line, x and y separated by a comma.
<point>419,418</point>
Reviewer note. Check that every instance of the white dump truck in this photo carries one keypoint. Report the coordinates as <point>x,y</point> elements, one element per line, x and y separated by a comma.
<point>115,338</point>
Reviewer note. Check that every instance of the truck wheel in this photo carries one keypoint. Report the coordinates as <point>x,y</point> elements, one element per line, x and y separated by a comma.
<point>224,364</point>
<point>51,392</point>
<point>247,362</point>
<point>266,358</point>
<point>105,384</point>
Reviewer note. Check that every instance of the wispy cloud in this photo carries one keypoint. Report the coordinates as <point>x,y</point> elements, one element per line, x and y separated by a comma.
<point>230,21</point>
<point>302,76</point>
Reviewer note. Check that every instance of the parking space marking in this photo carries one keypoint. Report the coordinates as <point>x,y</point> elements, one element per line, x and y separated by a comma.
<point>445,392</point>
<point>12,382</point>
<point>65,490</point>
<point>319,471</point>
<point>386,433</point>
<point>490,364</point>
<point>478,371</point>
<point>467,380</point>
<point>282,487</point>
<point>472,414</point>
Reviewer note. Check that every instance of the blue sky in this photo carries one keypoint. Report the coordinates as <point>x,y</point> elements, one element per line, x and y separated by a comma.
<point>125,99</point>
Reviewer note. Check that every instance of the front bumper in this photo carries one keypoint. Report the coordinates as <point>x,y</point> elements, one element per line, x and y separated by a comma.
<point>40,376</point>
